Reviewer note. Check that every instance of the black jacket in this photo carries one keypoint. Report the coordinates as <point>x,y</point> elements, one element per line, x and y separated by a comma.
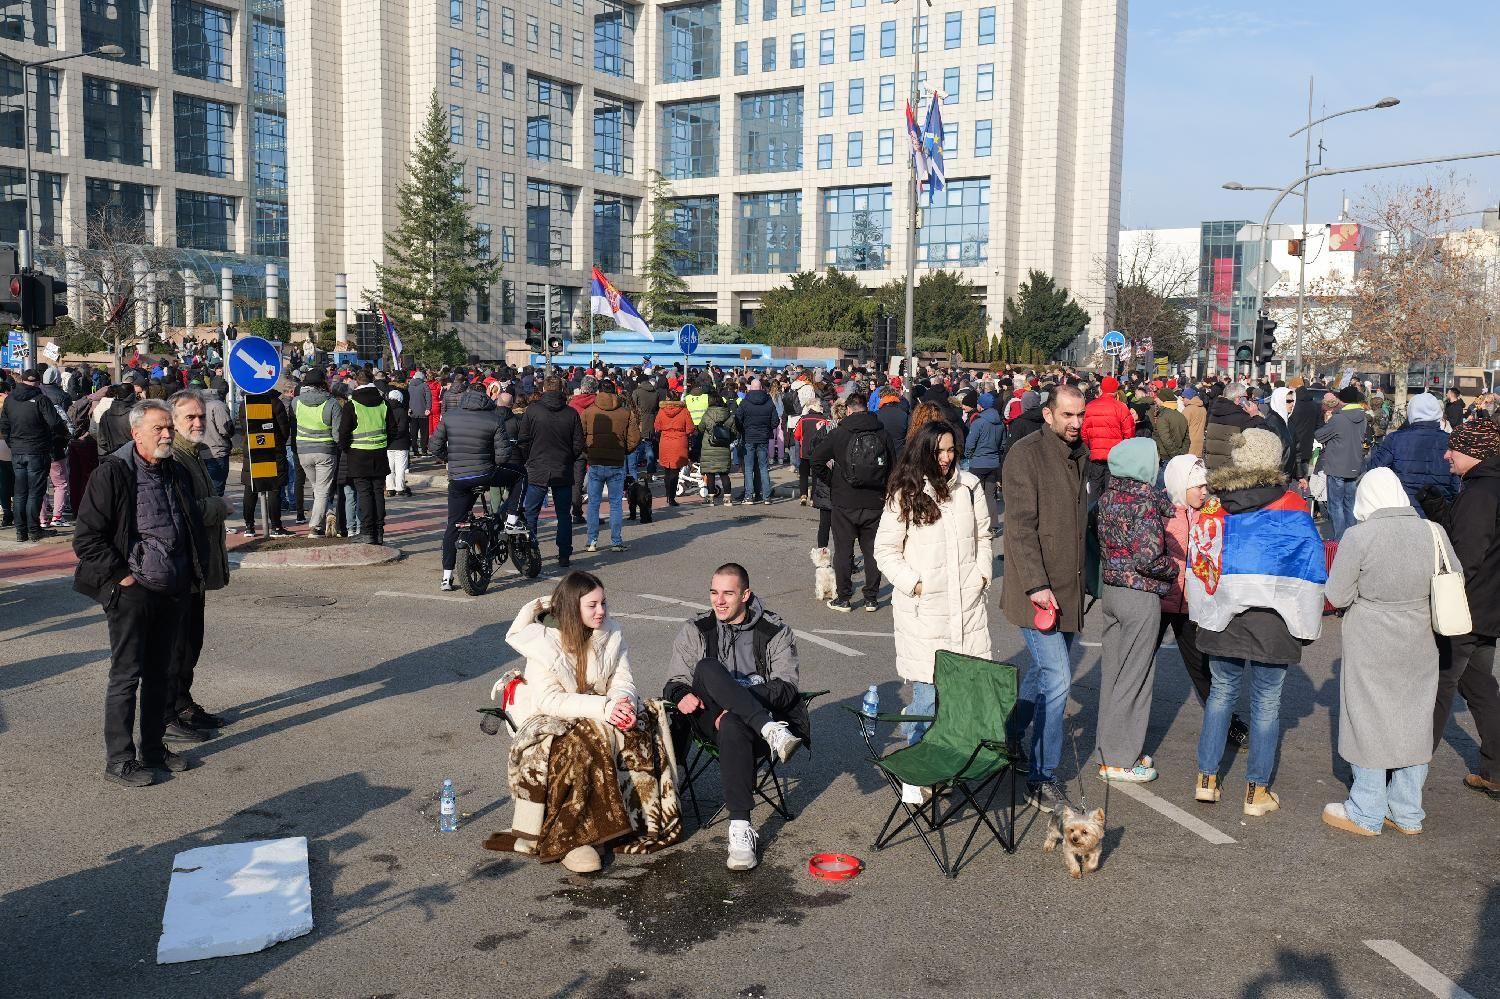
<point>846,496</point>
<point>551,440</point>
<point>1279,427</point>
<point>400,434</point>
<point>30,424</point>
<point>114,425</point>
<point>756,418</point>
<point>106,526</point>
<point>1307,417</point>
<point>364,464</point>
<point>895,417</point>
<point>1473,522</point>
<point>1028,423</point>
<point>1226,419</point>
<point>473,437</point>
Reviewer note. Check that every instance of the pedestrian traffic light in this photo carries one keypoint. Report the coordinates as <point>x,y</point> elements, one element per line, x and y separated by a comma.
<point>1265,340</point>
<point>554,345</point>
<point>1294,247</point>
<point>534,335</point>
<point>1244,353</point>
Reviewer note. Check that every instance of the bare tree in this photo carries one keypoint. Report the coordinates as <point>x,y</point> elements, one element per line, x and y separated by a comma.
<point>108,272</point>
<point>1151,295</point>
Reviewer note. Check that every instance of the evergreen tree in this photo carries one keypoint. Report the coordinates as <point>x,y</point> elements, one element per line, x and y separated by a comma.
<point>1043,315</point>
<point>435,256</point>
<point>945,306</point>
<point>661,302</point>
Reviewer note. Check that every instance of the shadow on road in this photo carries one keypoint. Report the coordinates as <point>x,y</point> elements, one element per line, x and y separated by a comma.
<point>1307,974</point>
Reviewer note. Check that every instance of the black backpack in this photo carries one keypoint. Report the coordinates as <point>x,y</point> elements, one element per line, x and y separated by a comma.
<point>791,403</point>
<point>867,459</point>
<point>722,434</point>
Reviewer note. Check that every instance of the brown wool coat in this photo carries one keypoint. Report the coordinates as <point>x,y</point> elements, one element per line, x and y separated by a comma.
<point>1197,420</point>
<point>1046,511</point>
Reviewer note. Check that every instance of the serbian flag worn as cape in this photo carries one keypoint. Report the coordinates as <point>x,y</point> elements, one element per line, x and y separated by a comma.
<point>605,300</point>
<point>1270,558</point>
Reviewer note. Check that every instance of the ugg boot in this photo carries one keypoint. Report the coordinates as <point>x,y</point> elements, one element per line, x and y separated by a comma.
<point>1260,800</point>
<point>1208,788</point>
<point>582,860</point>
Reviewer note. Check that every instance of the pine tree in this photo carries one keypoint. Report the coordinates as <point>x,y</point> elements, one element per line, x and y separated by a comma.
<point>435,256</point>
<point>1043,315</point>
<point>661,302</point>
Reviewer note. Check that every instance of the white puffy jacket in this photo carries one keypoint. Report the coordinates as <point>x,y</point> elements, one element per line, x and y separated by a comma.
<point>953,561</point>
<point>551,684</point>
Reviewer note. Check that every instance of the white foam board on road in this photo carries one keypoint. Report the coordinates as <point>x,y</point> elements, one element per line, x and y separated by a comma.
<point>235,898</point>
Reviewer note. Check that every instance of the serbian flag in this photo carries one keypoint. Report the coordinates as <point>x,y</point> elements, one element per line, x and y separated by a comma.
<point>605,300</point>
<point>1271,558</point>
<point>914,138</point>
<point>392,337</point>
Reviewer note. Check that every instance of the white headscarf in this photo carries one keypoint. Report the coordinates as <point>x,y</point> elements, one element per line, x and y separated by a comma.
<point>1278,403</point>
<point>1183,473</point>
<point>1380,489</point>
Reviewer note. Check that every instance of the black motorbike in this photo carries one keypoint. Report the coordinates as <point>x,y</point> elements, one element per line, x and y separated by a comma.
<point>484,545</point>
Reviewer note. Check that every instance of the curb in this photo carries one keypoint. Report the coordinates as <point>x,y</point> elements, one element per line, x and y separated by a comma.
<point>328,557</point>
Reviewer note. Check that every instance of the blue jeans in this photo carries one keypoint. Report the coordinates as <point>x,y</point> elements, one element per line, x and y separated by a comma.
<point>1043,700</point>
<point>562,501</point>
<point>1372,800</point>
<point>611,477</point>
<point>218,472</point>
<point>1266,680</point>
<point>643,457</point>
<point>757,459</point>
<point>923,702</point>
<point>32,473</point>
<point>1341,504</point>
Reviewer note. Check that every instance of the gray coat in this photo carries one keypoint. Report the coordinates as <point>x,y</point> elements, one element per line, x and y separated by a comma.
<point>1388,681</point>
<point>1343,440</point>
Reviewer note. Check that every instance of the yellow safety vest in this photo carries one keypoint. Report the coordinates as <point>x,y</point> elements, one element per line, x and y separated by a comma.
<point>369,427</point>
<point>314,436</point>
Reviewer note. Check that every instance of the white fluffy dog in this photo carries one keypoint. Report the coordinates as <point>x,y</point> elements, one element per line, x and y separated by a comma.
<point>825,586</point>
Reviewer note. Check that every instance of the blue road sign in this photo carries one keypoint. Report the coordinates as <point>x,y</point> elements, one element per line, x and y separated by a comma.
<point>254,365</point>
<point>1114,342</point>
<point>11,354</point>
<point>687,338</point>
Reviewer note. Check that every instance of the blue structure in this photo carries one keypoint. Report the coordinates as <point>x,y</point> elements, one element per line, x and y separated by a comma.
<point>626,348</point>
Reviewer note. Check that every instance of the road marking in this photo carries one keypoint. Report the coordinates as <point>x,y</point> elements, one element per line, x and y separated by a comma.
<point>835,646</point>
<point>856,634</point>
<point>648,617</point>
<point>674,600</point>
<point>1187,820</point>
<point>1418,970</point>
<point>1092,645</point>
<point>422,596</point>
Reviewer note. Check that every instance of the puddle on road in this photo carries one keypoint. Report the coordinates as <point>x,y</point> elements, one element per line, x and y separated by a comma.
<point>674,902</point>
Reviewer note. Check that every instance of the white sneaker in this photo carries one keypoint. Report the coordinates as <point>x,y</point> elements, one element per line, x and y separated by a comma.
<point>782,742</point>
<point>593,546</point>
<point>742,847</point>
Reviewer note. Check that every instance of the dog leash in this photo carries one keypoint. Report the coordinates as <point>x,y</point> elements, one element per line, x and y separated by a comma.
<point>1082,797</point>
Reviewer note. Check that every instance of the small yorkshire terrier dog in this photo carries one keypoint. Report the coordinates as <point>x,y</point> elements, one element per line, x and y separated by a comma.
<point>1082,836</point>
<point>825,585</point>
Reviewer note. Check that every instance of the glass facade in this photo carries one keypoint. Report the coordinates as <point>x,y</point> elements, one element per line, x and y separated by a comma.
<point>206,221</point>
<point>270,237</point>
<point>697,222</point>
<point>268,142</point>
<point>46,87</point>
<point>202,41</point>
<point>768,233</point>
<point>204,135</point>
<point>614,136</point>
<point>1226,303</point>
<point>690,42</point>
<point>614,39</point>
<point>268,57</point>
<point>116,122</point>
<point>956,226</point>
<point>47,195</point>
<point>549,119</point>
<point>855,230</point>
<point>549,223</point>
<point>127,210</point>
<point>771,132</point>
<point>562,307</point>
<point>614,222</point>
<point>690,139</point>
<point>126,23</point>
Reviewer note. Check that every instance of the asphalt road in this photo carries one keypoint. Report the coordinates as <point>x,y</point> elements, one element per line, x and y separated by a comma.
<point>352,696</point>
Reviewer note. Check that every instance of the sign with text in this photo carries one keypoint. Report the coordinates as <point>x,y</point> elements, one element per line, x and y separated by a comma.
<point>261,446</point>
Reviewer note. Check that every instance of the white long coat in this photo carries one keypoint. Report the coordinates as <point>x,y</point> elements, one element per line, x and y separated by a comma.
<point>551,686</point>
<point>953,561</point>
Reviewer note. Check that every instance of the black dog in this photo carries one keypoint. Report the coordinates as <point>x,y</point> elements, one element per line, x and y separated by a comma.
<point>638,496</point>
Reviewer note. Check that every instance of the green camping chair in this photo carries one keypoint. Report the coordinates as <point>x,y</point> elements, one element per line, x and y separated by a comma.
<point>964,749</point>
<point>769,785</point>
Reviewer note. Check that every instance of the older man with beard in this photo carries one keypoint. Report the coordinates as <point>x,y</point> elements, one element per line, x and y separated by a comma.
<point>139,543</point>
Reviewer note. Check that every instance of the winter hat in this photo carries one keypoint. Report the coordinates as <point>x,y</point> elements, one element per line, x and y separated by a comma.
<point>1183,473</point>
<point>1167,395</point>
<point>1110,385</point>
<point>1350,395</point>
<point>1190,393</point>
<point>1480,439</point>
<point>1257,448</point>
<point>51,376</point>
<point>1134,458</point>
<point>314,377</point>
<point>986,400</point>
<point>1424,408</point>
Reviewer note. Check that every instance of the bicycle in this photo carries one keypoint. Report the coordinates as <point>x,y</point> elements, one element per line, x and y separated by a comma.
<point>485,544</point>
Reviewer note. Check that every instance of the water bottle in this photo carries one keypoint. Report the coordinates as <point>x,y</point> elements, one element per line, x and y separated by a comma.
<point>871,705</point>
<point>448,809</point>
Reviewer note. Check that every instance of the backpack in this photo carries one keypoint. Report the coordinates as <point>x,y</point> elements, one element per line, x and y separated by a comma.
<point>791,403</point>
<point>761,634</point>
<point>867,460</point>
<point>721,434</point>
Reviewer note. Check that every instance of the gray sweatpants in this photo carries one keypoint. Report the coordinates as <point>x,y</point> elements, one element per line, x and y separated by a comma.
<point>318,471</point>
<point>1128,670</point>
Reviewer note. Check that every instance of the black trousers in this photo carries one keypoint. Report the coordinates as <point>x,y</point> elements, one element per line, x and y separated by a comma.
<point>1186,633</point>
<point>989,481</point>
<point>738,736</point>
<point>185,657</point>
<point>461,504</point>
<point>1098,478</point>
<point>804,472</point>
<point>1466,665</point>
<point>418,427</point>
<point>272,506</point>
<point>825,527</point>
<point>580,472</point>
<point>144,630</point>
<point>850,526</point>
<point>370,494</point>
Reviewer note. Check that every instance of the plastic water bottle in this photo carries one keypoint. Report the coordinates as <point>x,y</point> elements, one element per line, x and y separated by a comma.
<point>448,809</point>
<point>871,705</point>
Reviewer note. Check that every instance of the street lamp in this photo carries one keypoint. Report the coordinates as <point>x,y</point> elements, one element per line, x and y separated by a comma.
<point>1234,186</point>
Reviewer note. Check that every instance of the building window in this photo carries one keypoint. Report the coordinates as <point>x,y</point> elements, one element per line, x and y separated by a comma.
<point>856,227</point>
<point>508,249</point>
<point>885,146</point>
<point>919,34</point>
<point>481,130</point>
<point>507,190</point>
<point>771,132</point>
<point>799,51</point>
<point>983,137</point>
<point>271,236</point>
<point>857,96</point>
<point>549,119</point>
<point>690,139</point>
<point>950,138</point>
<point>456,13</point>
<point>45,107</point>
<point>549,223</point>
<point>768,54</point>
<point>768,10</point>
<point>857,43</point>
<point>32,21</point>
<point>508,81</point>
<point>267,57</point>
<point>481,74</point>
<point>116,122</point>
<point>768,233</point>
<point>202,41</point>
<point>507,26</point>
<point>562,305</point>
<point>887,38</point>
<point>825,100</point>
<point>614,221</point>
<point>508,135</point>
<point>950,85</point>
<point>741,58</point>
<point>204,132</point>
<point>482,295</point>
<point>126,23</point>
<point>614,39</point>
<point>455,124</point>
<point>825,152</point>
<point>577,47</point>
<point>854,154</point>
<point>953,29</point>
<point>127,211</point>
<point>697,222</point>
<point>799,7</point>
<point>206,221</point>
<point>986,26</point>
<point>614,136</point>
<point>270,152</point>
<point>455,67</point>
<point>984,88</point>
<point>741,11</point>
<point>827,6</point>
<point>507,288</point>
<point>47,194</point>
<point>825,47</point>
<point>482,18</point>
<point>481,185</point>
<point>690,42</point>
<point>533,34</point>
<point>956,226</point>
<point>555,40</point>
<point>888,93</point>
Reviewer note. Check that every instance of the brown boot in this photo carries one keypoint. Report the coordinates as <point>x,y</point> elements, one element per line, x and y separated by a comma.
<point>1259,800</point>
<point>1208,788</point>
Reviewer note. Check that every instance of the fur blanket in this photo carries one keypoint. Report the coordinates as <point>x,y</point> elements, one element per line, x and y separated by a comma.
<point>597,785</point>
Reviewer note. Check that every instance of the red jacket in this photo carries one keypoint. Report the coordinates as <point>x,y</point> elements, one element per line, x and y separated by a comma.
<point>1106,422</point>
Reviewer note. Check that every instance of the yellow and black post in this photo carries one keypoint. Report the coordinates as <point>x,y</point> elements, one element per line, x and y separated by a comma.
<point>261,447</point>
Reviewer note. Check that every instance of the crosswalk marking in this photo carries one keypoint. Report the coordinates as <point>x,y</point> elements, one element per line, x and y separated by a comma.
<point>1418,970</point>
<point>1187,820</point>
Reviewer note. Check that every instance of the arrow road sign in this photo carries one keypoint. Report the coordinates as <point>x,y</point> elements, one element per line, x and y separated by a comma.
<point>1114,343</point>
<point>254,365</point>
<point>687,338</point>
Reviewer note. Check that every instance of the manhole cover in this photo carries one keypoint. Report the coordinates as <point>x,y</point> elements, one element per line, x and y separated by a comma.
<point>296,600</point>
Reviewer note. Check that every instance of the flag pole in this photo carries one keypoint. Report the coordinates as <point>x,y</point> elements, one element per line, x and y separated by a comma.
<point>911,168</point>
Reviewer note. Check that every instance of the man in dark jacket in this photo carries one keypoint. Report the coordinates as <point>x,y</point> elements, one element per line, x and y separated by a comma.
<point>861,460</point>
<point>756,418</point>
<point>29,424</point>
<point>983,449</point>
<point>398,445</point>
<point>895,416</point>
<point>1343,457</point>
<point>139,543</point>
<point>1227,416</point>
<point>418,407</point>
<point>365,425</point>
<point>551,442</point>
<point>1027,423</point>
<point>1307,417</point>
<point>478,441</point>
<point>1417,452</point>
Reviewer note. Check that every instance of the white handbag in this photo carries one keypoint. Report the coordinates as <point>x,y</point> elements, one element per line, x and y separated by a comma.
<point>1450,602</point>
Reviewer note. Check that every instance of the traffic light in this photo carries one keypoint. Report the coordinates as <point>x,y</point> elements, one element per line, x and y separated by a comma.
<point>1294,247</point>
<point>33,308</point>
<point>52,299</point>
<point>11,290</point>
<point>554,345</point>
<point>1243,353</point>
<point>534,335</point>
<point>1265,340</point>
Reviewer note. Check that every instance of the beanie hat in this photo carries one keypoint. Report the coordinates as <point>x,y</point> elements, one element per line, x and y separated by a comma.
<point>1424,408</point>
<point>1167,395</point>
<point>1110,385</point>
<point>1190,393</point>
<point>1256,448</point>
<point>1479,439</point>
<point>1349,395</point>
<point>315,377</point>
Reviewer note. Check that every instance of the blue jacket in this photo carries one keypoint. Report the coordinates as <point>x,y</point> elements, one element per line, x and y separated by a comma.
<point>756,416</point>
<point>983,443</point>
<point>1415,454</point>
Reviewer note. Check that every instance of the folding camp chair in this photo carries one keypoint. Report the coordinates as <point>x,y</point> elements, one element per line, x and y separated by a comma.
<point>964,750</point>
<point>769,785</point>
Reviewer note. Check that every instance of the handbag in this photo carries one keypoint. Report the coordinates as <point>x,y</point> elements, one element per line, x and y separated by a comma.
<point>1450,602</point>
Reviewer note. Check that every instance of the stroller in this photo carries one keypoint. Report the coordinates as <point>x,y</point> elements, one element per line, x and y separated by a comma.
<point>689,478</point>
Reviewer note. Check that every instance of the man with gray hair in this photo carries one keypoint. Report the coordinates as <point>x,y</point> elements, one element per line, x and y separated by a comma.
<point>140,544</point>
<point>1227,417</point>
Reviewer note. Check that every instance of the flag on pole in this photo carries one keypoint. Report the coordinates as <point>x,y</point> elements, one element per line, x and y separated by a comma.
<point>914,138</point>
<point>605,300</point>
<point>392,337</point>
<point>932,145</point>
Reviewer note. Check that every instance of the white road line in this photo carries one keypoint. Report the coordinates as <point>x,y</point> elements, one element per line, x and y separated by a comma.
<point>674,600</point>
<point>855,634</point>
<point>835,646</point>
<point>423,596</point>
<point>1418,970</point>
<point>1092,645</point>
<point>1188,821</point>
<point>647,617</point>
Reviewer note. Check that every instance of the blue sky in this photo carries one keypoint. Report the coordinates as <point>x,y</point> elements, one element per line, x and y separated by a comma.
<point>1213,89</point>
